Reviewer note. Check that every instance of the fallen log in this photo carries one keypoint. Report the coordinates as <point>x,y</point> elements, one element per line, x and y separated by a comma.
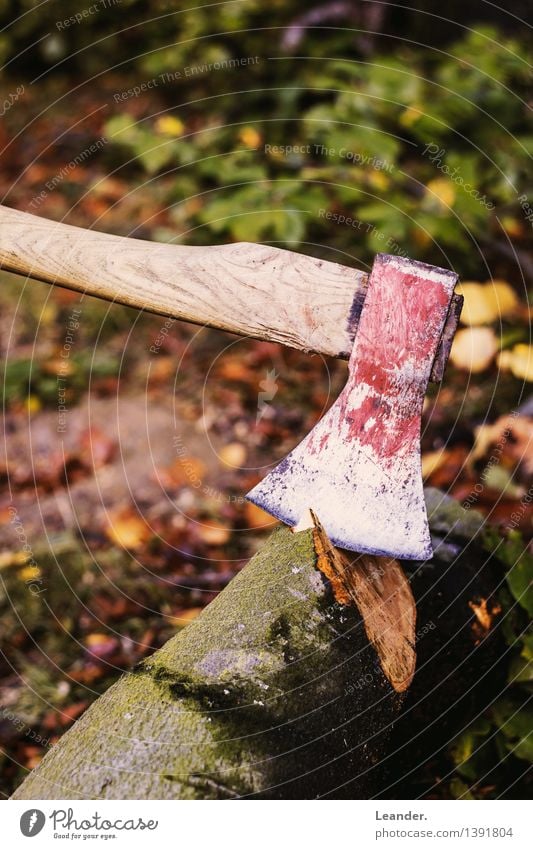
<point>297,681</point>
<point>284,687</point>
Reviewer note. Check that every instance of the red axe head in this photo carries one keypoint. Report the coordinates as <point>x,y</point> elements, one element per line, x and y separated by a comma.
<point>359,469</point>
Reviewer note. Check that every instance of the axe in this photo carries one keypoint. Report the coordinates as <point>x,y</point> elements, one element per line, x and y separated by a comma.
<point>360,468</point>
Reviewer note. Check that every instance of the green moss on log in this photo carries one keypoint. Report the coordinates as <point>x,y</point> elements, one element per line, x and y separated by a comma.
<point>273,692</point>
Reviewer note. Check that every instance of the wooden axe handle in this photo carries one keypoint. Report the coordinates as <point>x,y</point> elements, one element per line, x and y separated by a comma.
<point>254,290</point>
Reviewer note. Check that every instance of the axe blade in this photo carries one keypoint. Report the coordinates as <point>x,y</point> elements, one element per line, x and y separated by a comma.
<point>359,469</point>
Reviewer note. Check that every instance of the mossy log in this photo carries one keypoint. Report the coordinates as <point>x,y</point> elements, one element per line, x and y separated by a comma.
<point>286,686</point>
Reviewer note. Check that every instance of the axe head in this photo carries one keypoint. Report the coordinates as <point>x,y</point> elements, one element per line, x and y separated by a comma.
<point>359,469</point>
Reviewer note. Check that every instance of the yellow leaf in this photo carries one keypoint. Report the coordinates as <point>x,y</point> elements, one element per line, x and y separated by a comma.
<point>256,518</point>
<point>503,298</point>
<point>474,348</point>
<point>214,533</point>
<point>250,137</point>
<point>431,461</point>
<point>183,617</point>
<point>487,302</point>
<point>168,125</point>
<point>33,404</point>
<point>95,639</point>
<point>29,573</point>
<point>127,529</point>
<point>233,455</point>
<point>409,116</point>
<point>379,180</point>
<point>12,558</point>
<point>519,361</point>
<point>441,190</point>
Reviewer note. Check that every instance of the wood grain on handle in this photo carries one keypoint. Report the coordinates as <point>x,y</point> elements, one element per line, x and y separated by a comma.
<point>253,290</point>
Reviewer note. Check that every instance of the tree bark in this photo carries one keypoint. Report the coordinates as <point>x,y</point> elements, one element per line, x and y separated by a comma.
<point>289,683</point>
<point>286,686</point>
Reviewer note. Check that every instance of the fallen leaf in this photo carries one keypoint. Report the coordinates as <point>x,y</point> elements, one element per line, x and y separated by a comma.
<point>234,369</point>
<point>13,558</point>
<point>169,125</point>
<point>184,471</point>
<point>508,441</point>
<point>98,448</point>
<point>233,455</point>
<point>257,518</point>
<point>101,645</point>
<point>183,617</point>
<point>29,573</point>
<point>474,348</point>
<point>487,302</point>
<point>519,361</point>
<point>214,533</point>
<point>127,529</point>
<point>72,712</point>
<point>250,137</point>
<point>442,191</point>
<point>431,461</point>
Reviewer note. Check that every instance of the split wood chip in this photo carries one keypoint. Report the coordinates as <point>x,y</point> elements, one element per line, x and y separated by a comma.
<point>379,589</point>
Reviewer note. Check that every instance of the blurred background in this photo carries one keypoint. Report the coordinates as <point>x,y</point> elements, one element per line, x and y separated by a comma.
<point>336,129</point>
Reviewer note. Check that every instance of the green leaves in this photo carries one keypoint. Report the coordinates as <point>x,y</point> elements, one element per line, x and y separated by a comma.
<point>409,146</point>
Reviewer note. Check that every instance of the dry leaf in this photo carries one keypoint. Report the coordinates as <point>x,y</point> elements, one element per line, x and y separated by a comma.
<point>474,348</point>
<point>250,137</point>
<point>431,461</point>
<point>233,455</point>
<point>509,441</point>
<point>183,617</point>
<point>442,468</point>
<point>214,533</point>
<point>442,191</point>
<point>127,529</point>
<point>184,471</point>
<point>169,125</point>
<point>487,302</point>
<point>98,449</point>
<point>519,361</point>
<point>101,645</point>
<point>257,518</point>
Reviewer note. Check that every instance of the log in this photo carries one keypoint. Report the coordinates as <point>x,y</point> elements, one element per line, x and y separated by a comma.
<point>258,291</point>
<point>284,687</point>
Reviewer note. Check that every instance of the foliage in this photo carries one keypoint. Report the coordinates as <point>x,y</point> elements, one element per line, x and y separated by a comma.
<point>494,750</point>
<point>408,150</point>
